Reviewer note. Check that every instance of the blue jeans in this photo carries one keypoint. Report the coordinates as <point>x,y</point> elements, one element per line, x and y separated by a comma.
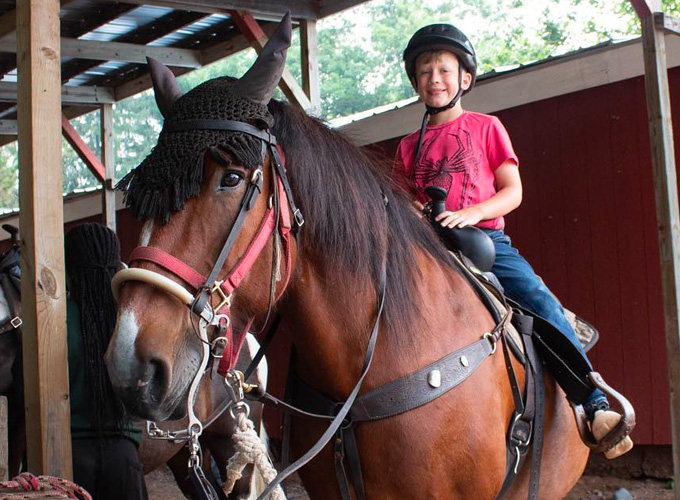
<point>522,285</point>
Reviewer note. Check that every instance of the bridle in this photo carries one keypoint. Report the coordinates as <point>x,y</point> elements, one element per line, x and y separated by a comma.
<point>226,346</point>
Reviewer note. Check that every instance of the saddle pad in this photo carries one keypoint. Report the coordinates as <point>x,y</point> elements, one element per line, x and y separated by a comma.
<point>586,333</point>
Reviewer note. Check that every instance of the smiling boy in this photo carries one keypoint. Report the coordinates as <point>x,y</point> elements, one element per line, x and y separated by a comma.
<point>471,156</point>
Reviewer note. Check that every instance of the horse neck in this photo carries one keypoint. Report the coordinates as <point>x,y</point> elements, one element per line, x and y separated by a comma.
<point>331,323</point>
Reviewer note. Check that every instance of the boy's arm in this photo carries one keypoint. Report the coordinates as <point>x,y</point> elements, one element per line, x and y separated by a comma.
<point>507,198</point>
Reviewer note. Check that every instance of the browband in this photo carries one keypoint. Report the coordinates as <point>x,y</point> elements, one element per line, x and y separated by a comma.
<point>225,125</point>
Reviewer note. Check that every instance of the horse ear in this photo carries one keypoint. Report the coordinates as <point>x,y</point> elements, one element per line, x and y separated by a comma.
<point>165,87</point>
<point>260,81</point>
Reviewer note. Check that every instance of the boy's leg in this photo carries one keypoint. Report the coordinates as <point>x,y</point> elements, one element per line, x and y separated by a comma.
<point>522,285</point>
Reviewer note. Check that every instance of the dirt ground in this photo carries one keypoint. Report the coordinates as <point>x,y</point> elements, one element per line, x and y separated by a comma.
<point>161,486</point>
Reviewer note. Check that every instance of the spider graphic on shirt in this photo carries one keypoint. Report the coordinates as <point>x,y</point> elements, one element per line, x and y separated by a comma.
<point>439,172</point>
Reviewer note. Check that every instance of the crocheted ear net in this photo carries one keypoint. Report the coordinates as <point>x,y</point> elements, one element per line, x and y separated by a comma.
<point>173,171</point>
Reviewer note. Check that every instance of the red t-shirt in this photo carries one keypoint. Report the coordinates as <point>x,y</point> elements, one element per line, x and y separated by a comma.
<point>460,156</point>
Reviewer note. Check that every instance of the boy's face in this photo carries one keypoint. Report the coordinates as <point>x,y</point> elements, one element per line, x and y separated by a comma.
<point>437,78</point>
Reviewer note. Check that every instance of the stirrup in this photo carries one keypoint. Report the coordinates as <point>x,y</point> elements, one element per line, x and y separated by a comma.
<point>619,432</point>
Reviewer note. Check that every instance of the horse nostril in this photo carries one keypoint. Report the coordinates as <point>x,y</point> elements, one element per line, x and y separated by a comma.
<point>155,383</point>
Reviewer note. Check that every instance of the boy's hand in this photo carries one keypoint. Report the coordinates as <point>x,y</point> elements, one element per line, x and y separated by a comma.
<point>467,217</point>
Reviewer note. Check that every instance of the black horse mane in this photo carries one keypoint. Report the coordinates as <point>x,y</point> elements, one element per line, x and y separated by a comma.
<point>340,189</point>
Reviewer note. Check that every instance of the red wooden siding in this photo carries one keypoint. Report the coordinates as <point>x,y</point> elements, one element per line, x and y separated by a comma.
<point>588,226</point>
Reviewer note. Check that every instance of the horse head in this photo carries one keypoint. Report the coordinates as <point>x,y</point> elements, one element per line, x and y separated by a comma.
<point>215,244</point>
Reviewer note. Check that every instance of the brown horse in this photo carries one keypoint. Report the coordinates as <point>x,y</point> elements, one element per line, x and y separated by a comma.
<point>452,447</point>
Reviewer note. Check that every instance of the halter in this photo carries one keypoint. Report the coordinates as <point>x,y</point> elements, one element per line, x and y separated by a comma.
<point>226,346</point>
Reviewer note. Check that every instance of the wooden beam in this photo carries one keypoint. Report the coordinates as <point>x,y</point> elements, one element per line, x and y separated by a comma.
<point>8,127</point>
<point>8,21</point>
<point>43,293</point>
<point>208,56</point>
<point>117,51</point>
<point>310,64</point>
<point>667,212</point>
<point>645,8</point>
<point>253,32</point>
<point>263,9</point>
<point>330,8</point>
<point>108,159</point>
<point>83,150</point>
<point>668,23</point>
<point>70,94</point>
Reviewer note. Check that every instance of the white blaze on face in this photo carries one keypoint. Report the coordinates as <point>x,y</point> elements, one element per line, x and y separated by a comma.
<point>145,236</point>
<point>121,362</point>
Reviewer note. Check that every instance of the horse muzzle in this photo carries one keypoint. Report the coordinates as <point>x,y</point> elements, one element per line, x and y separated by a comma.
<point>151,384</point>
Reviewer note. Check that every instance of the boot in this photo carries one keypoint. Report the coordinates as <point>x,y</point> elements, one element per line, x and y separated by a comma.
<point>603,422</point>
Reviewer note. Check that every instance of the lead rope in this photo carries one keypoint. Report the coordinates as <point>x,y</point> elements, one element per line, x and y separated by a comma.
<point>42,487</point>
<point>250,450</point>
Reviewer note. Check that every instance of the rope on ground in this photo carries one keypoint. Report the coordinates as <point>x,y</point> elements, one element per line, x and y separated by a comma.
<point>41,487</point>
<point>249,450</point>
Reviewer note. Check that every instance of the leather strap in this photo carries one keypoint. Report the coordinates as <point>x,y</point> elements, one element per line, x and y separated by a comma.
<point>224,125</point>
<point>13,302</point>
<point>337,422</point>
<point>414,390</point>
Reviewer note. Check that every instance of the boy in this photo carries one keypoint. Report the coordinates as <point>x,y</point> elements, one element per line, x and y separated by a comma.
<point>470,155</point>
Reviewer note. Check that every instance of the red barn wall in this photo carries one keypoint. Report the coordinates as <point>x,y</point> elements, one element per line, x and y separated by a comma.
<point>587,224</point>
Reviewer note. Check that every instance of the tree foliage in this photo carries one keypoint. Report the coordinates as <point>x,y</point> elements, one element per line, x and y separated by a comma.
<point>360,63</point>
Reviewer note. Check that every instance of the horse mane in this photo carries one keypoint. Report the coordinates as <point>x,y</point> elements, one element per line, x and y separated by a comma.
<point>341,190</point>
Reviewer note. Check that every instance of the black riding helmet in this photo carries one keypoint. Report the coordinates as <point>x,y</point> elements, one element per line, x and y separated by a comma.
<point>435,37</point>
<point>440,37</point>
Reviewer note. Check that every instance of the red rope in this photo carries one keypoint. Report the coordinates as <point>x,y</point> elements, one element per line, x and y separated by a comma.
<point>41,487</point>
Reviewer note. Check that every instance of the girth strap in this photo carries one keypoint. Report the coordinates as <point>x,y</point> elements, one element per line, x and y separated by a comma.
<point>423,386</point>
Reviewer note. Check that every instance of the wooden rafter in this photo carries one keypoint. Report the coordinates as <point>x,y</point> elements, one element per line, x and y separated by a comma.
<point>668,23</point>
<point>116,51</point>
<point>208,56</point>
<point>70,94</point>
<point>263,9</point>
<point>81,148</point>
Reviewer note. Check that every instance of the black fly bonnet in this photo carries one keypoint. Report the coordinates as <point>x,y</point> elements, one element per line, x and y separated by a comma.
<point>173,171</point>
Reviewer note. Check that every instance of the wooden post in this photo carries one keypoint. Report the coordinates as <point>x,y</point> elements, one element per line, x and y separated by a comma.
<point>666,194</point>
<point>109,196</point>
<point>42,239</point>
<point>310,64</point>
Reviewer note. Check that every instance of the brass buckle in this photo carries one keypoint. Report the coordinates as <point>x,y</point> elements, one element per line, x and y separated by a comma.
<point>224,298</point>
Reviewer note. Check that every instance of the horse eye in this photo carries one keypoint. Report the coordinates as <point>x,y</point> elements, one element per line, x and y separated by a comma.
<point>231,179</point>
